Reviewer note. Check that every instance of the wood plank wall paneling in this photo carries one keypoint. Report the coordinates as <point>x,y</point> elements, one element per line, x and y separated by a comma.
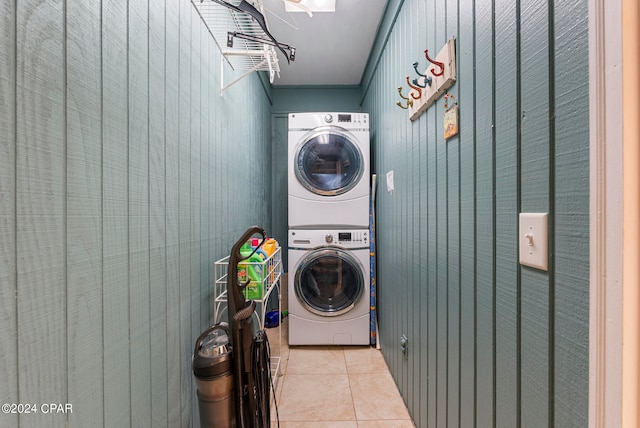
<point>418,329</point>
<point>441,188</point>
<point>572,219</point>
<point>194,150</point>
<point>422,365</point>
<point>491,343</point>
<point>84,212</point>
<point>138,212</point>
<point>8,290</point>
<point>465,45</point>
<point>114,204</point>
<point>158,271</point>
<point>403,175</point>
<point>454,250</point>
<point>279,182</point>
<point>41,243</point>
<point>184,210</point>
<point>115,221</point>
<point>435,399</point>
<point>485,215</point>
<point>536,178</point>
<point>175,375</point>
<point>507,208</point>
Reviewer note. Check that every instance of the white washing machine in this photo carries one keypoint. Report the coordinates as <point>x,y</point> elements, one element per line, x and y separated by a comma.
<point>329,287</point>
<point>328,175</point>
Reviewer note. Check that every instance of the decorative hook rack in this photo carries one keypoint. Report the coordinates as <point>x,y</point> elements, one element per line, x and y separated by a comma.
<point>433,87</point>
<point>415,88</point>
<point>438,63</point>
<point>409,100</point>
<point>427,79</point>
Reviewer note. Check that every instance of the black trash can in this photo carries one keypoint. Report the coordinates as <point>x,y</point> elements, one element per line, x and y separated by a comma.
<point>213,370</point>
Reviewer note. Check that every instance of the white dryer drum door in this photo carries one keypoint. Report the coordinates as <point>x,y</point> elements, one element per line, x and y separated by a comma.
<point>329,282</point>
<point>329,162</point>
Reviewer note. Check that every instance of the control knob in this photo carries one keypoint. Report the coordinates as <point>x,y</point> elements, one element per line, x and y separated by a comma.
<point>329,238</point>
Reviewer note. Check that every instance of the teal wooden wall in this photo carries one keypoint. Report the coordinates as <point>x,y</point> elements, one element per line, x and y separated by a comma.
<point>123,176</point>
<point>491,343</point>
<point>292,99</point>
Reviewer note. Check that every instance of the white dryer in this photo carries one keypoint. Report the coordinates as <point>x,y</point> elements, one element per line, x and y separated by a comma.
<point>329,287</point>
<point>328,170</point>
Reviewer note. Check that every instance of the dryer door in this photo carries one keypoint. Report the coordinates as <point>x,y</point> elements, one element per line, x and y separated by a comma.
<point>329,162</point>
<point>329,282</point>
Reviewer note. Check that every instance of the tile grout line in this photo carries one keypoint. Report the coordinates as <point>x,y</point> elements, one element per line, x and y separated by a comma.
<point>287,378</point>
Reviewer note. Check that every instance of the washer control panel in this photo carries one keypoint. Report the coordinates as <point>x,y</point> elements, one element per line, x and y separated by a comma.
<point>352,238</point>
<point>356,236</point>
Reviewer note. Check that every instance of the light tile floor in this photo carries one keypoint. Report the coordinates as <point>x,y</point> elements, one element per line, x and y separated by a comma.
<point>335,386</point>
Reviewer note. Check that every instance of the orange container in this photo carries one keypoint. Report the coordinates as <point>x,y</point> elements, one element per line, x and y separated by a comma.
<point>270,246</point>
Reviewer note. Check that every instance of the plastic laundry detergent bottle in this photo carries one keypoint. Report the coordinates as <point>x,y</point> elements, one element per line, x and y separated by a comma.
<point>246,250</point>
<point>270,246</point>
<point>249,267</point>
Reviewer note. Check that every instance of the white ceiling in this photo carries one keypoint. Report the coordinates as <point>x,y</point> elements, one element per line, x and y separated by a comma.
<point>331,48</point>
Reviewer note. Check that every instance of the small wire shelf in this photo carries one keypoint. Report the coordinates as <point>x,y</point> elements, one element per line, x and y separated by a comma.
<point>269,280</point>
<point>270,271</point>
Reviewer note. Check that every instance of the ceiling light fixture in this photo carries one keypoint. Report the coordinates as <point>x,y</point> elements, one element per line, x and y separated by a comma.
<point>312,5</point>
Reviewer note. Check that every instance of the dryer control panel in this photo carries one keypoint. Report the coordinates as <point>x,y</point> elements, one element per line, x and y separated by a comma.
<point>355,238</point>
<point>308,121</point>
<point>346,118</point>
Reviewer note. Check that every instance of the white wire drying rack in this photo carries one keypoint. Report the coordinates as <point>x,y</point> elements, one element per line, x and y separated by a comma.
<point>245,54</point>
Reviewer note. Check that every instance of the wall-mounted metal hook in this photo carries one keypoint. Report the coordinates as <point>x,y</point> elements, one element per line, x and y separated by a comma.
<point>409,100</point>
<point>427,79</point>
<point>415,88</point>
<point>438,63</point>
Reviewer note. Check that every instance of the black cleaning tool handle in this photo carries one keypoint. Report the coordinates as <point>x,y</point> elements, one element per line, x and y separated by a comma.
<point>235,250</point>
<point>235,298</point>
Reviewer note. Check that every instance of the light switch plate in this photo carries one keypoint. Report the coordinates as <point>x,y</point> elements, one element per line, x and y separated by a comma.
<point>533,240</point>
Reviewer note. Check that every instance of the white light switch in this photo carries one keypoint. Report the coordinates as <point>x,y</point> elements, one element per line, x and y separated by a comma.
<point>533,241</point>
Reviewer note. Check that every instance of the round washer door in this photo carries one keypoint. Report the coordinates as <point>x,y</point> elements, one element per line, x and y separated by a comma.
<point>329,282</point>
<point>329,162</point>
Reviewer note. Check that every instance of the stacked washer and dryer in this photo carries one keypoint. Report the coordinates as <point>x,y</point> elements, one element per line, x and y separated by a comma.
<point>329,189</point>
